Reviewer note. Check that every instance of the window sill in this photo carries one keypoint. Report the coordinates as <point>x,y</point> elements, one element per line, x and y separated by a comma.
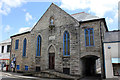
<point>51,26</point>
<point>90,46</point>
<point>37,56</point>
<point>24,56</point>
<point>66,56</point>
<point>16,49</point>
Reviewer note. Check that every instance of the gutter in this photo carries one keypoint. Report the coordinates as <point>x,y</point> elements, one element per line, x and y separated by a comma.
<point>112,42</point>
<point>20,34</point>
<point>96,20</point>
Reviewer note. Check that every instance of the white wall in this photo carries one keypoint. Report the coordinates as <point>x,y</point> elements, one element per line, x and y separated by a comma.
<point>5,54</point>
<point>109,54</point>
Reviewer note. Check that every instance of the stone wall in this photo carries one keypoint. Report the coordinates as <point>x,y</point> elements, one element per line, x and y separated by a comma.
<point>20,60</point>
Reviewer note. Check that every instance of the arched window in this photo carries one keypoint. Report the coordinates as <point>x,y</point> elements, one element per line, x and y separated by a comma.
<point>89,37</point>
<point>38,51</point>
<point>51,21</point>
<point>66,44</point>
<point>24,46</point>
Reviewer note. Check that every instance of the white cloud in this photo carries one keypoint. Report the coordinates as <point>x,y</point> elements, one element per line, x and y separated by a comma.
<point>6,5</point>
<point>7,28</point>
<point>24,10</point>
<point>116,14</point>
<point>109,20</point>
<point>24,29</point>
<point>99,7</point>
<point>74,4</point>
<point>28,16</point>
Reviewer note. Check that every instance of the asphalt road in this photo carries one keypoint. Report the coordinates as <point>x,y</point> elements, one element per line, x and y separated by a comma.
<point>15,76</point>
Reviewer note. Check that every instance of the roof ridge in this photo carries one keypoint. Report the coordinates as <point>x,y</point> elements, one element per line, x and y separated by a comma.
<point>114,31</point>
<point>78,13</point>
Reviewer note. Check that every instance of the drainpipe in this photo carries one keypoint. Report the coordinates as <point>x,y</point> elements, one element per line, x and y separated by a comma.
<point>10,55</point>
<point>102,55</point>
<point>79,46</point>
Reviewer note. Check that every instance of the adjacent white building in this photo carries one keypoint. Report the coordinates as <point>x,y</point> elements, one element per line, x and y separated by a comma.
<point>112,54</point>
<point>5,47</point>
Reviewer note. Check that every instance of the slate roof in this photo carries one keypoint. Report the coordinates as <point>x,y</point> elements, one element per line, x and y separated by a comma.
<point>23,32</point>
<point>26,30</point>
<point>82,16</point>
<point>112,36</point>
<point>6,41</point>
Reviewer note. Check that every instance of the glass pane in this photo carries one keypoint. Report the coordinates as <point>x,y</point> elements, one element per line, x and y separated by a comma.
<point>68,36</point>
<point>38,46</point>
<point>91,40</point>
<point>8,48</point>
<point>17,41</point>
<point>64,47</point>
<point>52,21</point>
<point>68,47</point>
<point>87,41</point>
<point>91,37</point>
<point>87,37</point>
<point>86,32</point>
<point>16,44</point>
<point>91,31</point>
<point>25,47</point>
<point>64,37</point>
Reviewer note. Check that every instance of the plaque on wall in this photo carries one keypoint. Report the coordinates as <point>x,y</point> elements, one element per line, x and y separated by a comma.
<point>51,37</point>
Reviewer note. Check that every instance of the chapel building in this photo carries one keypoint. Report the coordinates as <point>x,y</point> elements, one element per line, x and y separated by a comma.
<point>66,43</point>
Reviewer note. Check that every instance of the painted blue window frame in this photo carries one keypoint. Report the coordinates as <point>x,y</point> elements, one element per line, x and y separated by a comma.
<point>16,44</point>
<point>18,67</point>
<point>38,41</point>
<point>24,47</point>
<point>26,68</point>
<point>65,38</point>
<point>88,29</point>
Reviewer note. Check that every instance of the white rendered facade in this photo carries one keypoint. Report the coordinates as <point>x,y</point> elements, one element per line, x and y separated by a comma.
<point>111,54</point>
<point>5,47</point>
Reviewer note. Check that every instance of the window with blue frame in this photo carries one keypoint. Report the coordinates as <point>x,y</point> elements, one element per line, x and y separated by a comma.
<point>89,37</point>
<point>18,67</point>
<point>38,51</point>
<point>16,44</point>
<point>26,68</point>
<point>66,44</point>
<point>24,46</point>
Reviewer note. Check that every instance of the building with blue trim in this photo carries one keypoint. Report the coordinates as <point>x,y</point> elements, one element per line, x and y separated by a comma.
<point>112,54</point>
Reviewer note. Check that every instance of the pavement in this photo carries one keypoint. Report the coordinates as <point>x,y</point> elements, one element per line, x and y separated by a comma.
<point>19,76</point>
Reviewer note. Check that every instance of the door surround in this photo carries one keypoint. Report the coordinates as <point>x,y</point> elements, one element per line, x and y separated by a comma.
<point>51,57</point>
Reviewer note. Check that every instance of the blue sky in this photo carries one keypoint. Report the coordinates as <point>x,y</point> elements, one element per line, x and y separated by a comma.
<point>18,15</point>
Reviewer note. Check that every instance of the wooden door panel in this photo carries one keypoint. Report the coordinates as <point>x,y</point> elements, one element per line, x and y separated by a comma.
<point>51,60</point>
